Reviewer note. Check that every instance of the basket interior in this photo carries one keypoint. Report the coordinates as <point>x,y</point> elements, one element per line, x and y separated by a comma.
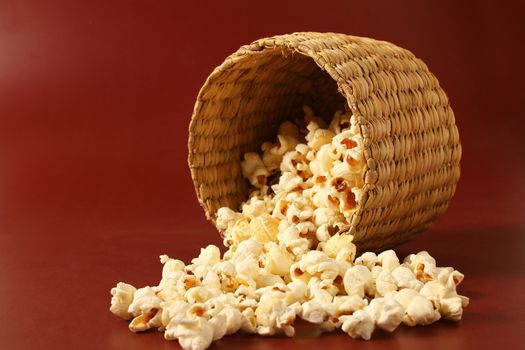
<point>241,106</point>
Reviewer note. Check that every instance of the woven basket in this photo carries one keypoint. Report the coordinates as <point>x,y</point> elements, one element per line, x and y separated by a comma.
<point>412,146</point>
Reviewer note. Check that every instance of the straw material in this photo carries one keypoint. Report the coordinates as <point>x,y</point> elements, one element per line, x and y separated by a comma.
<point>411,142</point>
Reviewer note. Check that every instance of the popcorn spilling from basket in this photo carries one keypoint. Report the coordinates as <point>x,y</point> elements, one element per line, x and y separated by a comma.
<point>289,257</point>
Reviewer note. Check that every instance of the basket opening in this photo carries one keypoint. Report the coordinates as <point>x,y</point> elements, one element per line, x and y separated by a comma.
<point>252,97</point>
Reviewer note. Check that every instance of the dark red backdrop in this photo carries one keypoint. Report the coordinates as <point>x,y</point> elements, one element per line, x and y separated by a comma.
<point>95,100</point>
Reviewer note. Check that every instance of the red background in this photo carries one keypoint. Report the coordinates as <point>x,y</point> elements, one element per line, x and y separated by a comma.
<point>95,101</point>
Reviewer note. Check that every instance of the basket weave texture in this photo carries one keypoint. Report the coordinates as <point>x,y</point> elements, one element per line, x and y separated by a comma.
<point>412,146</point>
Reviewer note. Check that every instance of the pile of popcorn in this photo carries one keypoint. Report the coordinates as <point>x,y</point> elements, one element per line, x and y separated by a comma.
<point>288,256</point>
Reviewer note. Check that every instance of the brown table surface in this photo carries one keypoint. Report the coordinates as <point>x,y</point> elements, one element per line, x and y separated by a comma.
<point>95,99</point>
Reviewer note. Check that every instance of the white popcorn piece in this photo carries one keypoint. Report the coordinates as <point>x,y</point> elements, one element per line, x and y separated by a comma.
<point>368,259</point>
<point>264,228</point>
<point>451,308</point>
<point>286,141</point>
<point>296,293</point>
<point>385,283</point>
<point>144,300</point>
<point>358,325</point>
<point>448,302</point>
<point>295,163</point>
<point>292,240</point>
<point>404,296</point>
<point>197,294</point>
<point>387,313</point>
<point>340,122</point>
<point>239,232</point>
<point>313,312</point>
<point>277,290</point>
<point>405,278</point>
<point>309,116</point>
<point>254,169</point>
<point>186,282</point>
<point>346,305</point>
<point>443,273</point>
<point>226,218</point>
<point>257,206</point>
<point>420,311</point>
<point>172,309</point>
<point>337,242</point>
<point>289,182</point>
<point>122,297</point>
<point>211,280</point>
<point>233,319</point>
<point>358,280</point>
<point>248,321</point>
<point>423,265</point>
<point>317,136</point>
<point>208,256</point>
<point>274,316</point>
<point>248,268</point>
<point>192,333</point>
<point>250,247</point>
<point>388,260</point>
<point>218,323</point>
<point>170,265</point>
<point>321,291</point>
<point>276,261</point>
<point>323,161</point>
<point>265,280</point>
<point>310,262</point>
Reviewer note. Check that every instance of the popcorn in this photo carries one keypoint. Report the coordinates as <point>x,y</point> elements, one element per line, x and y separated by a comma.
<point>340,122</point>
<point>226,218</point>
<point>239,232</point>
<point>292,240</point>
<point>347,304</point>
<point>274,316</point>
<point>254,169</point>
<point>122,297</point>
<point>208,256</point>
<point>286,141</point>
<point>233,319</point>
<point>358,325</point>
<point>422,265</point>
<point>197,295</point>
<point>192,333</point>
<point>309,116</point>
<point>144,300</point>
<point>449,303</point>
<point>386,313</point>
<point>256,207</point>
<point>172,309</point>
<point>312,311</point>
<point>296,292</point>
<point>452,308</point>
<point>276,261</point>
<point>385,283</point>
<point>368,259</point>
<point>264,228</point>
<point>288,254</point>
<point>317,136</point>
<point>405,278</point>
<point>218,324</point>
<point>265,280</point>
<point>420,311</point>
<point>358,280</point>
<point>338,242</point>
<point>388,260</point>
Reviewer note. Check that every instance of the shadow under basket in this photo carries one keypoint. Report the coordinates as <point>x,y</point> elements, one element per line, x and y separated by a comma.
<point>411,142</point>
